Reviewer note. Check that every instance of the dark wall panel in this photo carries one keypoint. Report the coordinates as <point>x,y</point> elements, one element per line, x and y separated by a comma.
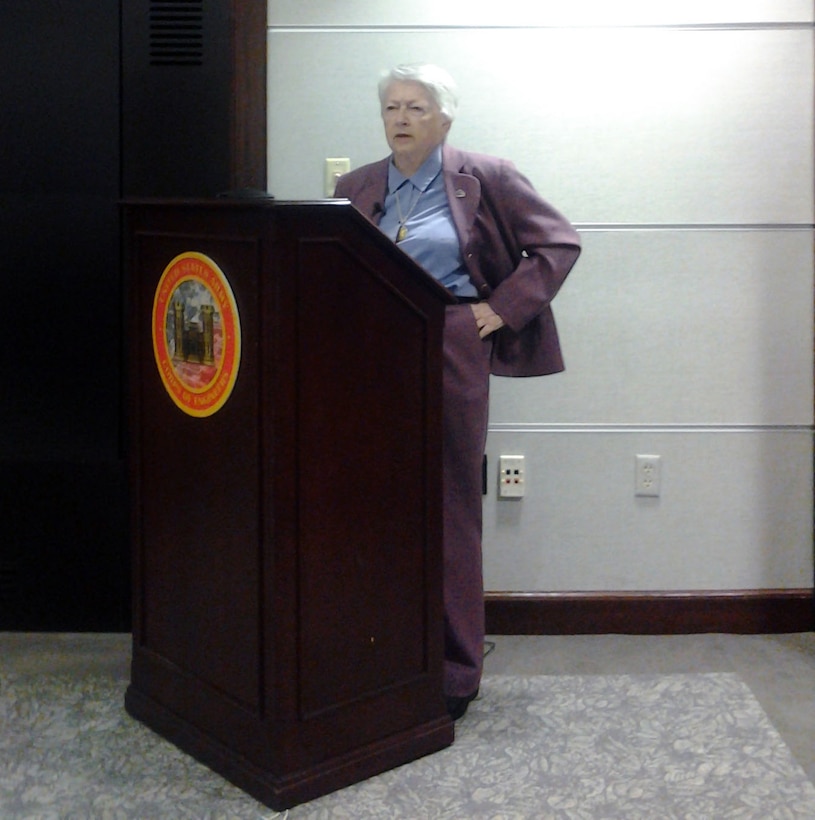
<point>64,563</point>
<point>59,186</point>
<point>63,537</point>
<point>177,97</point>
<point>100,101</point>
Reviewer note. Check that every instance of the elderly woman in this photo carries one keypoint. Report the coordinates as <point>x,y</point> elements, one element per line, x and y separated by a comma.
<point>479,227</point>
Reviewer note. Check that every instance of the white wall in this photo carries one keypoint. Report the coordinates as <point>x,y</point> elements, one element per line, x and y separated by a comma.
<point>678,137</point>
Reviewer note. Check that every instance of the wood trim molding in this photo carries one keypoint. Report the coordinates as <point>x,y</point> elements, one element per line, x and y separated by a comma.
<point>762,611</point>
<point>248,119</point>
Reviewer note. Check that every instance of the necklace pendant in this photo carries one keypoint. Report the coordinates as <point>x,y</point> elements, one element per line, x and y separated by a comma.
<point>402,233</point>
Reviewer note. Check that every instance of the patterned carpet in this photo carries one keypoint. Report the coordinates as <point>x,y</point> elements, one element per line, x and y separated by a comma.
<point>619,746</point>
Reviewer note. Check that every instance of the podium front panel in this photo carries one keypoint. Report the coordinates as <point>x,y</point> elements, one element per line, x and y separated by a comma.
<point>287,545</point>
<point>363,524</point>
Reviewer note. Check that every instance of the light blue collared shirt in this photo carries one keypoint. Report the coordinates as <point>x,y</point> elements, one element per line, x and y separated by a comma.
<point>421,203</point>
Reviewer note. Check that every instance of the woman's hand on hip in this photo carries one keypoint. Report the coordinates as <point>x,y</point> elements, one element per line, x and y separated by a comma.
<point>487,320</point>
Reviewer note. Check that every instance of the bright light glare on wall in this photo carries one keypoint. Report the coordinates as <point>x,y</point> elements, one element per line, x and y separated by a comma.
<point>622,73</point>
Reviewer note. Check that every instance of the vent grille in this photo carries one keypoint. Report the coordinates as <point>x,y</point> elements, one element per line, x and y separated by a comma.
<point>177,32</point>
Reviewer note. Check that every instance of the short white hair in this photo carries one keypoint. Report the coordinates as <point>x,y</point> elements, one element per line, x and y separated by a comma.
<point>438,83</point>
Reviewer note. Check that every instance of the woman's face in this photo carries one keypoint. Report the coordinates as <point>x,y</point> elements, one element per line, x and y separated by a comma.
<point>414,125</point>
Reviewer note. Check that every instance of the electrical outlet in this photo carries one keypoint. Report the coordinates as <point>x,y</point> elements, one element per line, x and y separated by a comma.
<point>511,476</point>
<point>335,167</point>
<point>648,481</point>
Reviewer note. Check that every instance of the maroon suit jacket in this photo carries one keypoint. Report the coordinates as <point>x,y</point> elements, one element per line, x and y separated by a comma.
<point>517,248</point>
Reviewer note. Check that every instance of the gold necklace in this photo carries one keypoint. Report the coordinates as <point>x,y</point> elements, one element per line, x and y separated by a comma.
<point>402,233</point>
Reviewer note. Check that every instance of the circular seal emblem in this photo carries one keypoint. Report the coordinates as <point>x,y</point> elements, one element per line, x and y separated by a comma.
<point>196,334</point>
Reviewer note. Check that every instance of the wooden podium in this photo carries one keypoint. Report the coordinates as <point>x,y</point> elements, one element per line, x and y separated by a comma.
<point>285,445</point>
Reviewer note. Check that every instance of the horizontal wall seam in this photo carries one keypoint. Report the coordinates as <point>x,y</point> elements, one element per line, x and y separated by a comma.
<point>543,427</point>
<point>394,28</point>
<point>695,226</point>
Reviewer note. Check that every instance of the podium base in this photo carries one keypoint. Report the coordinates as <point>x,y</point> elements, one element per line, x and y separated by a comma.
<point>283,790</point>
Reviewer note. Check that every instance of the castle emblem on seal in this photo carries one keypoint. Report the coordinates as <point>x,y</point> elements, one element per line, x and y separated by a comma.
<point>196,334</point>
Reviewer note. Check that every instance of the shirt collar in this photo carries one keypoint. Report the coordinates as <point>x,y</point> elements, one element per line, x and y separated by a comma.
<point>422,178</point>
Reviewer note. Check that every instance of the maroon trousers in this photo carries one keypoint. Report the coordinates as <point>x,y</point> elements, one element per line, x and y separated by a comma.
<point>466,407</point>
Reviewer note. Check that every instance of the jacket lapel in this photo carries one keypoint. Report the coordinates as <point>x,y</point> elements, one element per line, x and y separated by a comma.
<point>371,196</point>
<point>463,193</point>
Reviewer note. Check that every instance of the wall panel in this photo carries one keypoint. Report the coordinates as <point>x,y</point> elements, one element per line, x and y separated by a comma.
<point>735,511</point>
<point>679,139</point>
<point>635,126</point>
<point>678,327</point>
<point>542,13</point>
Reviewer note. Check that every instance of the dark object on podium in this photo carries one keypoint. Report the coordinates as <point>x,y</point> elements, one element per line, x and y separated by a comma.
<point>285,473</point>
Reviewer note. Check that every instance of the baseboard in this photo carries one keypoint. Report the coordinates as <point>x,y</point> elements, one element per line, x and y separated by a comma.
<point>761,611</point>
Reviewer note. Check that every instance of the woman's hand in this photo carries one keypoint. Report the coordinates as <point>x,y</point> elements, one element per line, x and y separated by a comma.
<point>487,320</point>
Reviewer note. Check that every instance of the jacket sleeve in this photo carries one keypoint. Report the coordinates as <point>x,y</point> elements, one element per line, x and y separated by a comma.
<point>540,247</point>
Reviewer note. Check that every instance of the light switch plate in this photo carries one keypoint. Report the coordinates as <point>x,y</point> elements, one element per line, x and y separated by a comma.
<point>335,167</point>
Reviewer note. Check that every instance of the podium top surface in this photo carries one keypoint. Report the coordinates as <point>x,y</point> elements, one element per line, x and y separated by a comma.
<point>257,201</point>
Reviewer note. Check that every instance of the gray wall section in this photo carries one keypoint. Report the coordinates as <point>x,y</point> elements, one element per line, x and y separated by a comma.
<point>679,139</point>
